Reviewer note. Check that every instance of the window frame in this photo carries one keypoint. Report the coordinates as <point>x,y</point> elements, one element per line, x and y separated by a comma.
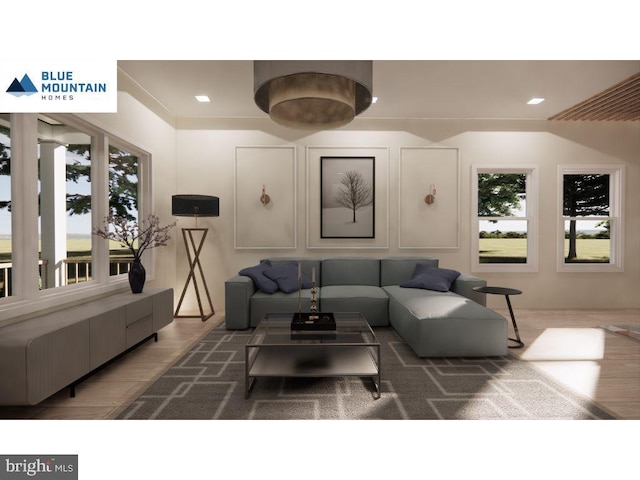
<point>6,275</point>
<point>84,130</point>
<point>144,196</point>
<point>616,217</point>
<point>532,198</point>
<point>26,298</point>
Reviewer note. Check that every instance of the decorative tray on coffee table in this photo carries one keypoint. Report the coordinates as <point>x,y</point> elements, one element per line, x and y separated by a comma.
<point>313,321</point>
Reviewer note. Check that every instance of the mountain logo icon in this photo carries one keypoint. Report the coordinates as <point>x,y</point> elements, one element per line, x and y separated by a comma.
<point>22,87</point>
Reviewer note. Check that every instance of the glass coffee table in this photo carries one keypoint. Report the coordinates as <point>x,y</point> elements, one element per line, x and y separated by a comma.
<point>274,350</point>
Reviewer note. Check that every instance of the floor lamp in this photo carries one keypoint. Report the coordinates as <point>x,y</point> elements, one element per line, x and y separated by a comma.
<point>195,206</point>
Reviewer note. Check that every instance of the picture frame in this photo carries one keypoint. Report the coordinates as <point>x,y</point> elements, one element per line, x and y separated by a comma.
<point>347,197</point>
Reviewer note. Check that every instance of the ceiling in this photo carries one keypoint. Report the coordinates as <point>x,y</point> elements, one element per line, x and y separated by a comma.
<point>434,89</point>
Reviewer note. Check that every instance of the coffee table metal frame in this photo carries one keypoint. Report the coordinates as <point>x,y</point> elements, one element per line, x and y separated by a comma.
<point>352,350</point>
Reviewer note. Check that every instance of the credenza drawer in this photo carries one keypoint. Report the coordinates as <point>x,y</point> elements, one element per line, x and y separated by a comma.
<point>138,331</point>
<point>139,309</point>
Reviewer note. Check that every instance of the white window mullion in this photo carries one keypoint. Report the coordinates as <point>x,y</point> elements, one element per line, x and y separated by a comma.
<point>100,204</point>
<point>24,204</point>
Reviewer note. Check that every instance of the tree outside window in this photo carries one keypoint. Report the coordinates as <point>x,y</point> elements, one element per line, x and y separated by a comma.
<point>502,217</point>
<point>505,224</point>
<point>590,224</point>
<point>585,196</point>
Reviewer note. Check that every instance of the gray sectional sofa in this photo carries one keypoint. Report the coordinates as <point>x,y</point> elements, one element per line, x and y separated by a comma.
<point>453,323</point>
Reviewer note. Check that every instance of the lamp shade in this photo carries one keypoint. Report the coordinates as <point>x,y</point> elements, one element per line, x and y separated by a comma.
<point>195,206</point>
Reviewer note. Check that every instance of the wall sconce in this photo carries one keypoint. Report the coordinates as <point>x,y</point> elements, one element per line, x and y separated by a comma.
<point>431,197</point>
<point>264,198</point>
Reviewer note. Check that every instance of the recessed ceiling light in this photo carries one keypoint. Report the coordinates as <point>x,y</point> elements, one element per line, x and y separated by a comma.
<point>202,98</point>
<point>374,99</point>
<point>535,101</point>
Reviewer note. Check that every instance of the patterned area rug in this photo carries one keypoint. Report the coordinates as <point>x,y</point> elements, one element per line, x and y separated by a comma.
<point>630,331</point>
<point>208,383</point>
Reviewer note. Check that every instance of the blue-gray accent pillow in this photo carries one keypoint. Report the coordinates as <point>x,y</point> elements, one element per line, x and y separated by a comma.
<point>260,280</point>
<point>286,276</point>
<point>432,278</point>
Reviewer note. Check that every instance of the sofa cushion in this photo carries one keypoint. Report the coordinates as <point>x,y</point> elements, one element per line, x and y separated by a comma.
<point>395,270</point>
<point>426,304</point>
<point>279,302</point>
<point>351,271</point>
<point>371,301</point>
<point>286,277</point>
<point>430,278</point>
<point>260,280</point>
<point>444,324</point>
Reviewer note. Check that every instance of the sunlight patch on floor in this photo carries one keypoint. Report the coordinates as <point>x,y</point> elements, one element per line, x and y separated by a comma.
<point>580,376</point>
<point>570,355</point>
<point>566,344</point>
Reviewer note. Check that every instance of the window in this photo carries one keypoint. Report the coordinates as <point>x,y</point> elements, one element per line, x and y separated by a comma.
<point>123,201</point>
<point>64,166</point>
<point>590,219</point>
<point>66,175</point>
<point>505,219</point>
<point>5,206</point>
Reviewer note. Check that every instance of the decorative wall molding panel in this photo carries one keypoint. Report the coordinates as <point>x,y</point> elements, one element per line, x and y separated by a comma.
<point>429,198</point>
<point>265,198</point>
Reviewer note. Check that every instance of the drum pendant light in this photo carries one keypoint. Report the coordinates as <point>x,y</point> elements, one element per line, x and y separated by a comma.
<point>313,94</point>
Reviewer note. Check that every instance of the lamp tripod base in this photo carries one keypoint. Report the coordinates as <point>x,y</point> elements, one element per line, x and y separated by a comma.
<point>193,255</point>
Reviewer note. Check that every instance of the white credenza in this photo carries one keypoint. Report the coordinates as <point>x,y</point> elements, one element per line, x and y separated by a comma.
<point>44,354</point>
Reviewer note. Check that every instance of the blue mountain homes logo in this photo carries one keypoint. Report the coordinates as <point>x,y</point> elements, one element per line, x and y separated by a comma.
<point>22,87</point>
<point>55,83</point>
<point>56,86</point>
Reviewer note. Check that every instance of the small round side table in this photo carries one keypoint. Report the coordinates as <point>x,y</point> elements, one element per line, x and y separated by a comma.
<point>506,292</point>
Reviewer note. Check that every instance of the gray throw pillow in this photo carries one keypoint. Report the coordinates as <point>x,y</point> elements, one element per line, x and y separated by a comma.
<point>432,278</point>
<point>286,276</point>
<point>260,280</point>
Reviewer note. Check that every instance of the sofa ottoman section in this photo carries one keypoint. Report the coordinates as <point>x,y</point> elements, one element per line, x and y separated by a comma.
<point>445,324</point>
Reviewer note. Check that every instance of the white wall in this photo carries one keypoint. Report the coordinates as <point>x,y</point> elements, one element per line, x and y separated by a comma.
<point>201,160</point>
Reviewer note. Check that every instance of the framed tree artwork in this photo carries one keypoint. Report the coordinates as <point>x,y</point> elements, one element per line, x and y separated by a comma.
<point>347,191</point>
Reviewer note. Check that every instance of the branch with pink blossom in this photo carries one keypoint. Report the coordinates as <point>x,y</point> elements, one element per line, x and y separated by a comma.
<point>135,237</point>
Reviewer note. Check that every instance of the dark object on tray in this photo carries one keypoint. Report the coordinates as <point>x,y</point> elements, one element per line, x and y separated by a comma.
<point>313,321</point>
